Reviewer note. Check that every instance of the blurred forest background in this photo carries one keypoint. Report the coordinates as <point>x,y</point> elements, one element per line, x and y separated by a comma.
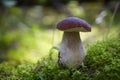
<point>27,27</point>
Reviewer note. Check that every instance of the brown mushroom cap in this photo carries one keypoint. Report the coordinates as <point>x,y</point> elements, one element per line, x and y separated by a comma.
<point>74,24</point>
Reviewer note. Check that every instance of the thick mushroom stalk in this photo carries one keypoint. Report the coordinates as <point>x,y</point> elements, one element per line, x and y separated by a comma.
<point>72,51</point>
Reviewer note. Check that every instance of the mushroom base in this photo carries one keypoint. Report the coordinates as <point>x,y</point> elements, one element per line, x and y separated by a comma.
<point>72,51</point>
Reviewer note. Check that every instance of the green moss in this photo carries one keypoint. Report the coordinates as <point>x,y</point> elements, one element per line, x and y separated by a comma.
<point>102,62</point>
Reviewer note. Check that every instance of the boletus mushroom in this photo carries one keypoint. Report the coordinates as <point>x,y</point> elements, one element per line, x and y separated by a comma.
<point>72,51</point>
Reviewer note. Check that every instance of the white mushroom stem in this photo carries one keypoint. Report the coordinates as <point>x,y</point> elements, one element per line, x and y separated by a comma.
<point>72,51</point>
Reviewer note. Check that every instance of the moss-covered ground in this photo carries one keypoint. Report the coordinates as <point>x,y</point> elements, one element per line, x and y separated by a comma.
<point>102,62</point>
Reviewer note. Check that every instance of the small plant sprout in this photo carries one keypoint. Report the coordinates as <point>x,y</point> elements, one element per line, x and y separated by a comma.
<point>72,51</point>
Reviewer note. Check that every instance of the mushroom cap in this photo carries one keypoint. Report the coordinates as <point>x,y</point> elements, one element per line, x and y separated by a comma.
<point>73,24</point>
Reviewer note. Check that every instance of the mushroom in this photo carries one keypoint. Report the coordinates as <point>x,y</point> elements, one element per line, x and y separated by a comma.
<point>72,51</point>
